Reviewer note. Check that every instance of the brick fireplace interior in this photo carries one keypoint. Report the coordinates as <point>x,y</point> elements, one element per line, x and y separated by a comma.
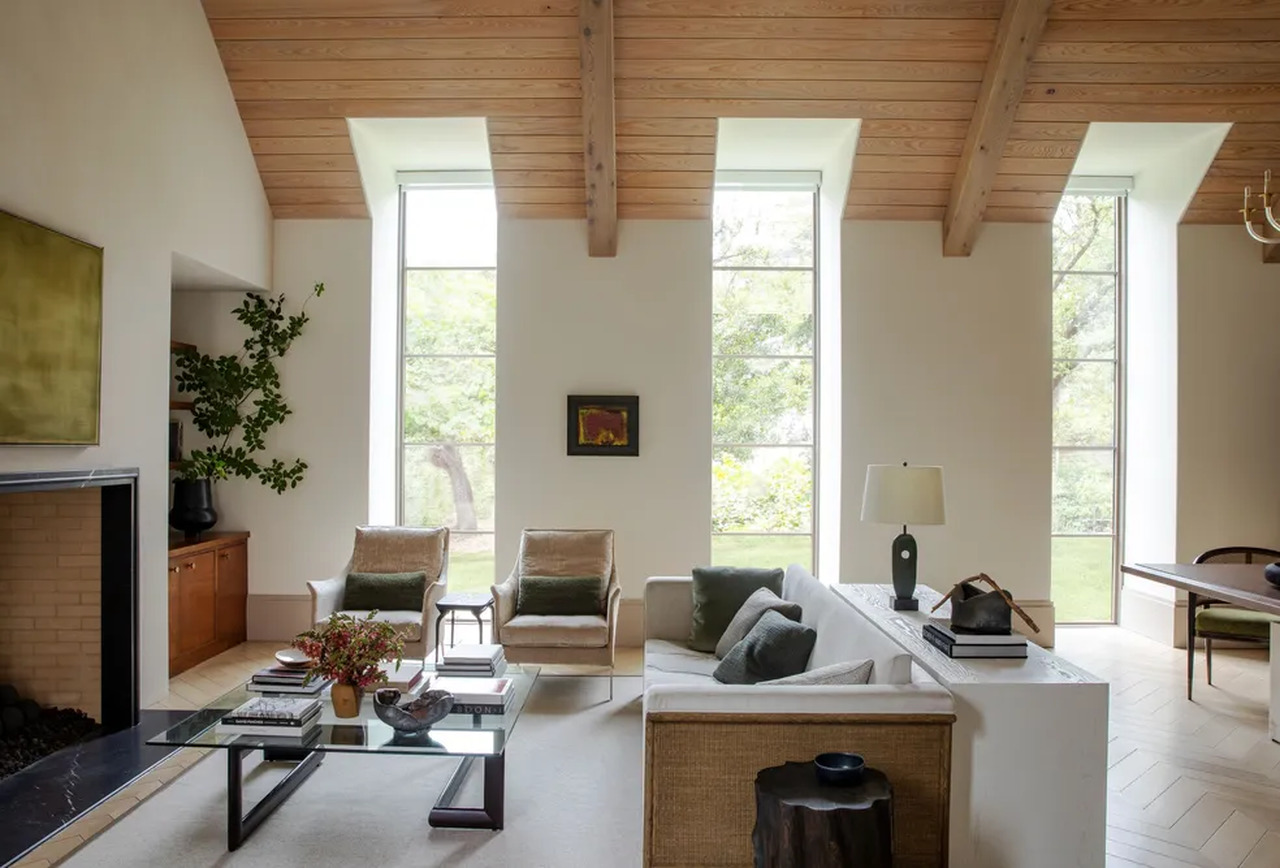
<point>51,597</point>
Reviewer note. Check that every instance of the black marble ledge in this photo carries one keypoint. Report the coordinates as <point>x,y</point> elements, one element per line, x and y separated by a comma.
<point>44,797</point>
<point>48,480</point>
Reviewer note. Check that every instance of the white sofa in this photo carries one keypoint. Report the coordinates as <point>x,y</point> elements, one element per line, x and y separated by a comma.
<point>705,741</point>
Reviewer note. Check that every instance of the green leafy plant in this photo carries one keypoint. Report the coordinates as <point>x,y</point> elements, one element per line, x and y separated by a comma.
<point>237,399</point>
<point>350,650</point>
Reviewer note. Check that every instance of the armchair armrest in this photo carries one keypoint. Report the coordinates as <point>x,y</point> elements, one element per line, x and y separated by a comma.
<point>326,597</point>
<point>504,605</point>
<point>888,699</point>
<point>611,615</point>
<point>668,607</point>
<point>435,590</point>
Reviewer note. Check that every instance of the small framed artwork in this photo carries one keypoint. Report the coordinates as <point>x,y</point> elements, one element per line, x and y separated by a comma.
<point>604,425</point>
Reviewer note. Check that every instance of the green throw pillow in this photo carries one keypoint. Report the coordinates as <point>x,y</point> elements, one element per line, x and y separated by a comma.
<point>560,595</point>
<point>718,594</point>
<point>386,592</point>
<point>776,647</point>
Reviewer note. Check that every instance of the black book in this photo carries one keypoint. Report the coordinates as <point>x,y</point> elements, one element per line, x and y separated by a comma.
<point>959,651</point>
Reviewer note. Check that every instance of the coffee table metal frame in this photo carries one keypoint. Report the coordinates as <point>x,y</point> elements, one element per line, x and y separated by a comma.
<point>465,736</point>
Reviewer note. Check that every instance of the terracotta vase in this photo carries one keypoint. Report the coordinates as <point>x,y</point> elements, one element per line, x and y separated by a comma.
<point>346,699</point>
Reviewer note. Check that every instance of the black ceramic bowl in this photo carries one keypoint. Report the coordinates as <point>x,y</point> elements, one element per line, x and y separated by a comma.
<point>1272,572</point>
<point>839,769</point>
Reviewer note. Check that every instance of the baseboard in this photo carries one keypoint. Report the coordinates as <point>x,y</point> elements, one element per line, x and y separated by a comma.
<point>1159,618</point>
<point>280,617</point>
<point>277,617</point>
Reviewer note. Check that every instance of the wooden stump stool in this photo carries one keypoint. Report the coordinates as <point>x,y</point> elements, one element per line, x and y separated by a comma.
<point>801,823</point>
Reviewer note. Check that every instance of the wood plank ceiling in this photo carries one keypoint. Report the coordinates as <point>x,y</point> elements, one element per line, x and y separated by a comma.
<point>911,69</point>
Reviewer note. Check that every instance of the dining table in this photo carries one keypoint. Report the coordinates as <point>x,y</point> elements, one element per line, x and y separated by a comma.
<point>1241,585</point>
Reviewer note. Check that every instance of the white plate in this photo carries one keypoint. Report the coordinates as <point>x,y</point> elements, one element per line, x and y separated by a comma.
<point>293,657</point>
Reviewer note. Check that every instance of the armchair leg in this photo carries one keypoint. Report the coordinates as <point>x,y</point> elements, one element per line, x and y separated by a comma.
<point>611,684</point>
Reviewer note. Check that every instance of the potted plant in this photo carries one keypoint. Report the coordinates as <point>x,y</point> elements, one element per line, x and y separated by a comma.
<point>236,400</point>
<point>350,651</point>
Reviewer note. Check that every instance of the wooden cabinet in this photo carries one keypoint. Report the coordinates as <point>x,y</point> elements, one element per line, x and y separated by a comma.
<point>208,591</point>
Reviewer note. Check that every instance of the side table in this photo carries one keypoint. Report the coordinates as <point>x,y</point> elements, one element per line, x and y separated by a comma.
<point>451,604</point>
<point>801,823</point>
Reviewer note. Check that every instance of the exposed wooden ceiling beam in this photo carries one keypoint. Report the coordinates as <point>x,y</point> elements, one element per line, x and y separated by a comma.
<point>595,43</point>
<point>1021,24</point>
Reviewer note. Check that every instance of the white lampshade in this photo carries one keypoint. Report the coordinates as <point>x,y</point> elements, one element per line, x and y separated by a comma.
<point>900,494</point>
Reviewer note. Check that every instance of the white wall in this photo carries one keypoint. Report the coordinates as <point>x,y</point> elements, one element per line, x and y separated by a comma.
<point>1228,376</point>
<point>305,533</point>
<point>946,361</point>
<point>636,324</point>
<point>118,127</point>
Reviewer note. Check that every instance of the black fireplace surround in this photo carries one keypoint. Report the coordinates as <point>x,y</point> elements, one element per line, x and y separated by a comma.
<point>119,579</point>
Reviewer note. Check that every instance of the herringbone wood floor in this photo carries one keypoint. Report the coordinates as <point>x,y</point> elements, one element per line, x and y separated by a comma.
<point>1190,783</point>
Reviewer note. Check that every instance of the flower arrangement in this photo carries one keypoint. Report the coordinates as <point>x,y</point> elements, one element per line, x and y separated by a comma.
<point>349,650</point>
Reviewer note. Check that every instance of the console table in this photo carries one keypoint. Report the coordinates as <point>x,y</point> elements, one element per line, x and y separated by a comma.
<point>1029,747</point>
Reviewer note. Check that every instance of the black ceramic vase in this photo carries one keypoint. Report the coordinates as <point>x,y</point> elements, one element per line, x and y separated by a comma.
<point>192,510</point>
<point>1272,573</point>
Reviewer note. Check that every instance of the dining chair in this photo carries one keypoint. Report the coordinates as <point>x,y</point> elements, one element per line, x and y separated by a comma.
<point>1218,620</point>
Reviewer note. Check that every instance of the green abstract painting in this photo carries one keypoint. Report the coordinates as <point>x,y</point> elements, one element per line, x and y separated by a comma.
<point>50,336</point>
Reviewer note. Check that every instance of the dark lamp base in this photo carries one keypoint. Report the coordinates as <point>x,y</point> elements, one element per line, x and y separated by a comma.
<point>905,604</point>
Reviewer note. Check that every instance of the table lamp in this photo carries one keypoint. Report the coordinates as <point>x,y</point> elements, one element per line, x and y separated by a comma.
<point>903,495</point>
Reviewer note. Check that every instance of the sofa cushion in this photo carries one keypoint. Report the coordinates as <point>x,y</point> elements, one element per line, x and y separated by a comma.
<point>718,594</point>
<point>400,550</point>
<point>408,624</point>
<point>775,648</point>
<point>560,595</point>
<point>761,600</point>
<point>843,634</point>
<point>1230,621</point>
<point>556,631</point>
<point>849,672</point>
<point>393,591</point>
<point>667,662</point>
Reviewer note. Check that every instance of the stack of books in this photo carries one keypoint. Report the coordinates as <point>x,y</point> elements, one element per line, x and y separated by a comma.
<point>273,716</point>
<point>954,643</point>
<point>477,695</point>
<point>472,661</point>
<point>406,678</point>
<point>286,679</point>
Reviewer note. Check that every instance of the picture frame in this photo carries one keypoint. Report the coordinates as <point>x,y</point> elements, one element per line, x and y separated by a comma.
<point>603,425</point>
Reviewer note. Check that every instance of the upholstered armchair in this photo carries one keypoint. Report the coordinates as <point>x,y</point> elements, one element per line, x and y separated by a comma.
<point>393,550</point>
<point>581,639</point>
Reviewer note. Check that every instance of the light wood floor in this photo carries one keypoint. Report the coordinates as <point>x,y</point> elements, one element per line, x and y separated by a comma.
<point>1190,783</point>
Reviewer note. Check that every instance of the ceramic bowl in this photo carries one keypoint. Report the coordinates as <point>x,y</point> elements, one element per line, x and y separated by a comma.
<point>293,658</point>
<point>839,769</point>
<point>415,715</point>
<point>1272,573</point>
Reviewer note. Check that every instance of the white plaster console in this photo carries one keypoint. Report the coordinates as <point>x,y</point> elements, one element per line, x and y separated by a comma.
<point>1029,748</point>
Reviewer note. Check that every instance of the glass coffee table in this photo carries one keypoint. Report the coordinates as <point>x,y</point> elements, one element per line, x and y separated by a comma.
<point>466,736</point>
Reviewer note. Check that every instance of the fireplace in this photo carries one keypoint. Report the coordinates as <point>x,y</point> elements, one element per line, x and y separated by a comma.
<point>69,591</point>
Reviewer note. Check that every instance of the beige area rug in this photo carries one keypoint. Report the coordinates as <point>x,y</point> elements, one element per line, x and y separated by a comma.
<point>573,798</point>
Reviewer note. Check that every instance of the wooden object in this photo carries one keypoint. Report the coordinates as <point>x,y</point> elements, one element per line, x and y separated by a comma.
<point>208,592</point>
<point>802,824</point>
<point>1017,720</point>
<point>1002,84</point>
<point>600,158</point>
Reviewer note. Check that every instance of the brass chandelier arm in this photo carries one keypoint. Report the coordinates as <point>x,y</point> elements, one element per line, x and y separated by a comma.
<point>1266,201</point>
<point>1246,211</point>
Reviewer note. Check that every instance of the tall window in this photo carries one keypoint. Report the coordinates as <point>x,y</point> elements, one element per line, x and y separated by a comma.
<point>1088,286</point>
<point>763,366</point>
<point>447,371</point>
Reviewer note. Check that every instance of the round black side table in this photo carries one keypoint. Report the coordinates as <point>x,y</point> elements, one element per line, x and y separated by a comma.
<point>451,604</point>
<point>801,823</point>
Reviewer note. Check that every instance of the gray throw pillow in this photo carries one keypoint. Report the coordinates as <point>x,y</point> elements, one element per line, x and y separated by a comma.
<point>845,672</point>
<point>761,600</point>
<point>560,595</point>
<point>775,648</point>
<point>718,594</point>
<point>386,592</point>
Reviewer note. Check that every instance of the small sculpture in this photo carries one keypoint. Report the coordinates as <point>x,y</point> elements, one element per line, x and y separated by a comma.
<point>416,715</point>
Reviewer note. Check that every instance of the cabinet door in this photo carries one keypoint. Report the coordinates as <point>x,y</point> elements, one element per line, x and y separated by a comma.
<point>233,591</point>
<point>175,609</point>
<point>198,624</point>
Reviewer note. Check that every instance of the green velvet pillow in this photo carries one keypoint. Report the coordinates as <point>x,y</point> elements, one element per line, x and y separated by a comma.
<point>560,595</point>
<point>718,594</point>
<point>386,592</point>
